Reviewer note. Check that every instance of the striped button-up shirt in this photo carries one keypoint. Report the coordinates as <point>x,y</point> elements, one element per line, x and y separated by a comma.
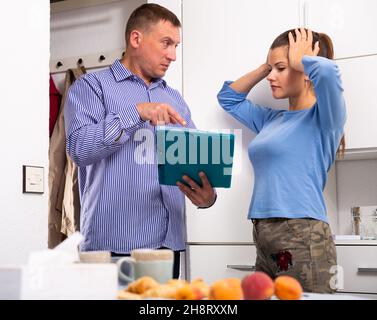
<point>123,206</point>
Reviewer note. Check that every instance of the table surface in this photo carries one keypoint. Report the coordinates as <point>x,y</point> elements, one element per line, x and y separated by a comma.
<point>323,296</point>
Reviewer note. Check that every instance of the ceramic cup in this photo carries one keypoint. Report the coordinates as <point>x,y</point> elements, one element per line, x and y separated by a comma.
<point>95,257</point>
<point>157,264</point>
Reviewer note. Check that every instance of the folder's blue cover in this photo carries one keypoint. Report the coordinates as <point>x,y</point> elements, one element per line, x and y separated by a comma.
<point>183,151</point>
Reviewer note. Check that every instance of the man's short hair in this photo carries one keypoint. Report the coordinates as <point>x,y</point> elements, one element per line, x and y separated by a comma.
<point>147,15</point>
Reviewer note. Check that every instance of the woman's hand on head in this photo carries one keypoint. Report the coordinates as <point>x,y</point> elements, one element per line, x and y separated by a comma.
<point>300,47</point>
<point>265,69</point>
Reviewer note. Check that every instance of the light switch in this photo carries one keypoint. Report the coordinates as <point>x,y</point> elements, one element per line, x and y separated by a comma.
<point>33,179</point>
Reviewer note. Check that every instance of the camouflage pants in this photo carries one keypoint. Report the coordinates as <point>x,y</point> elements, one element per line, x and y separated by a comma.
<point>301,248</point>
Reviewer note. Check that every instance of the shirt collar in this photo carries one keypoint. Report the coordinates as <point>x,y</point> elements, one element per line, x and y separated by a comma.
<point>121,73</point>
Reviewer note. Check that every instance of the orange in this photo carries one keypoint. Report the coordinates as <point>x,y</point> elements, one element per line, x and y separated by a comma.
<point>287,288</point>
<point>226,289</point>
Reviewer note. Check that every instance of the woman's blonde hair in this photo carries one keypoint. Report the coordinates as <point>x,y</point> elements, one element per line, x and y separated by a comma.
<point>326,49</point>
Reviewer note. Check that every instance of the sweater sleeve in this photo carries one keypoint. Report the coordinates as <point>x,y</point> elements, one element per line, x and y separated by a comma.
<point>248,113</point>
<point>325,76</point>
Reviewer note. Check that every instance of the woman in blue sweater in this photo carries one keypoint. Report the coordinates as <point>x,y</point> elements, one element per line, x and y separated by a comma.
<point>292,154</point>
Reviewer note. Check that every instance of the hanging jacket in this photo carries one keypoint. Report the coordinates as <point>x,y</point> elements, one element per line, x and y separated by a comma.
<point>55,98</point>
<point>64,199</point>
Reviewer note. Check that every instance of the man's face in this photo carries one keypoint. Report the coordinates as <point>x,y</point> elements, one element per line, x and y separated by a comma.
<point>157,49</point>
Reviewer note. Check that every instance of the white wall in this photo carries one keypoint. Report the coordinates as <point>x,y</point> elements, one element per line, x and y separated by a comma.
<point>24,57</point>
<point>24,87</point>
<point>356,186</point>
<point>331,201</point>
<point>100,29</point>
<point>85,31</point>
<point>25,107</point>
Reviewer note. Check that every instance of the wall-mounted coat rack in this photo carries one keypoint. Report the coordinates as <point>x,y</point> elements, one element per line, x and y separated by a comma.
<point>66,5</point>
<point>92,61</point>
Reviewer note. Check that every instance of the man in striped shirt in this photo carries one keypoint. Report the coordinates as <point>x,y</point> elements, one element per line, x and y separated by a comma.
<point>110,119</point>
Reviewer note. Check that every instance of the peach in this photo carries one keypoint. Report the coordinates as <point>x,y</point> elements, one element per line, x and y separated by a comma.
<point>177,283</point>
<point>188,292</point>
<point>226,289</point>
<point>287,288</point>
<point>203,287</point>
<point>257,286</point>
<point>161,291</point>
<point>142,284</point>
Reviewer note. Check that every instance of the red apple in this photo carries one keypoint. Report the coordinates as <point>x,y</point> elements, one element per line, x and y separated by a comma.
<point>257,286</point>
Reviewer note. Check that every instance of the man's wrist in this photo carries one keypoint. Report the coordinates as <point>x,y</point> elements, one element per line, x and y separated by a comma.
<point>209,206</point>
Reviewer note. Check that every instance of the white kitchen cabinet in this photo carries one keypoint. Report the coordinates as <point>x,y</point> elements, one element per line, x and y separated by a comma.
<point>350,24</point>
<point>358,273</point>
<point>221,41</point>
<point>357,264</point>
<point>359,83</point>
<point>214,262</point>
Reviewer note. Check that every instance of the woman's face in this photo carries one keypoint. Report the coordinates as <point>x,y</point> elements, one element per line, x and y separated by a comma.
<point>285,82</point>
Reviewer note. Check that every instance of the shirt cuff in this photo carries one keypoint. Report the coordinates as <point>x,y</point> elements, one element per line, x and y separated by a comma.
<point>130,119</point>
<point>228,88</point>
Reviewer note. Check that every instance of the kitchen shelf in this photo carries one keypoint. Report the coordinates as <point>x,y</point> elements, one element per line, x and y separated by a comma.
<point>359,154</point>
<point>356,242</point>
<point>219,243</point>
<point>337,243</point>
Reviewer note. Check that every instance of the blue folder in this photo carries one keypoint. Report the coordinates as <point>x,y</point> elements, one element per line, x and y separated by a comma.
<point>183,151</point>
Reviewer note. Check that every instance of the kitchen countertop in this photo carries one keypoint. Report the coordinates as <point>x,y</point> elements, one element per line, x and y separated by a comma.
<point>336,296</point>
<point>355,242</point>
<point>337,242</point>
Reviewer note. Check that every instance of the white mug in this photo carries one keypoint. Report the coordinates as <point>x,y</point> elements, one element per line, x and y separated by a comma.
<point>95,257</point>
<point>129,269</point>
